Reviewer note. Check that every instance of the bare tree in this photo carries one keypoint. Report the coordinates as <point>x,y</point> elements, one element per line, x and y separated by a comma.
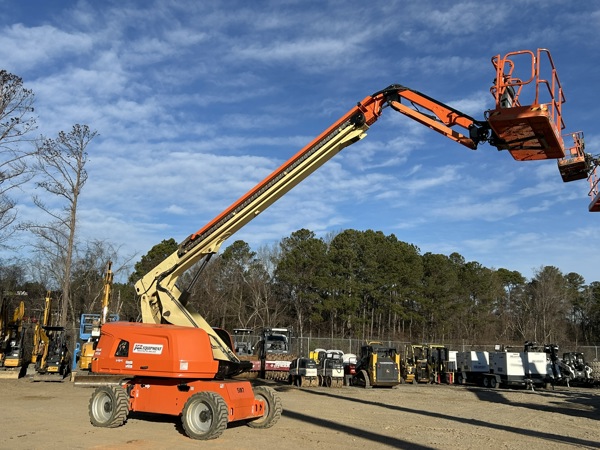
<point>16,121</point>
<point>540,313</point>
<point>89,274</point>
<point>61,163</point>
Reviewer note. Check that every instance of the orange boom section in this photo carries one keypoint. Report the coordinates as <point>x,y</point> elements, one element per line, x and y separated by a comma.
<point>528,116</point>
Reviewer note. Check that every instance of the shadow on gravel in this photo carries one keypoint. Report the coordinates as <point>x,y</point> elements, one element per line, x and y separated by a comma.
<point>489,395</point>
<point>351,431</point>
<point>568,402</point>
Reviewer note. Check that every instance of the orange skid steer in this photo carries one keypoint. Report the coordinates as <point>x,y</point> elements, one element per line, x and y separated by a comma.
<point>168,369</point>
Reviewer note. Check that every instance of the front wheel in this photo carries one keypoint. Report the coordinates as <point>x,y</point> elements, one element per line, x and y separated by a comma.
<point>204,416</point>
<point>362,379</point>
<point>108,407</point>
<point>272,408</point>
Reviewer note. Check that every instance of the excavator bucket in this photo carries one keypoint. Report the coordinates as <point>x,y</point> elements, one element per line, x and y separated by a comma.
<point>530,131</point>
<point>575,165</point>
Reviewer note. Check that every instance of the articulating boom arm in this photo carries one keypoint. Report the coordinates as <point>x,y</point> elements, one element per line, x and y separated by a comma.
<point>163,302</point>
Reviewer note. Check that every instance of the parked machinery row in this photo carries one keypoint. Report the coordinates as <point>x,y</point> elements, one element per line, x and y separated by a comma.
<point>532,366</point>
<point>380,365</point>
<point>377,365</point>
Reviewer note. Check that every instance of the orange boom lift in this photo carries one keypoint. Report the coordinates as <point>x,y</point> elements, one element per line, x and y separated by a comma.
<point>176,363</point>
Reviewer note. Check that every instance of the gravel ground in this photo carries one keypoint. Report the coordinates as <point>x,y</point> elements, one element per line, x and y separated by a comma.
<point>54,415</point>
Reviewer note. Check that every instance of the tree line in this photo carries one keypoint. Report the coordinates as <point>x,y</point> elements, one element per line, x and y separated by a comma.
<point>368,285</point>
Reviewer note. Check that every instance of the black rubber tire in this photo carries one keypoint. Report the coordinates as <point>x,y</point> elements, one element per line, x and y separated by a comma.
<point>109,407</point>
<point>493,383</point>
<point>486,382</point>
<point>273,407</point>
<point>328,381</point>
<point>365,380</point>
<point>204,416</point>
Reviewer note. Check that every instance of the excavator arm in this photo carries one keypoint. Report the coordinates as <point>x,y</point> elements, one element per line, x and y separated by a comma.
<point>163,301</point>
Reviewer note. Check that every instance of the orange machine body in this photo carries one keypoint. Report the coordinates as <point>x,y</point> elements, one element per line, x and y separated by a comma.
<point>129,348</point>
<point>163,396</point>
<point>162,366</point>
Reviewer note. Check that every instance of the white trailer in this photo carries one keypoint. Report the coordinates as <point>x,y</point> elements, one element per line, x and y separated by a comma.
<point>472,366</point>
<point>527,369</point>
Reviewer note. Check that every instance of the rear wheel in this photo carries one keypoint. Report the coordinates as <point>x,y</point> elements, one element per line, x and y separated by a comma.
<point>204,416</point>
<point>328,381</point>
<point>109,407</point>
<point>493,383</point>
<point>486,382</point>
<point>272,411</point>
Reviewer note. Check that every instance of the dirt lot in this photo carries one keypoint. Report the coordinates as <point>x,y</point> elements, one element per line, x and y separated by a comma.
<point>54,416</point>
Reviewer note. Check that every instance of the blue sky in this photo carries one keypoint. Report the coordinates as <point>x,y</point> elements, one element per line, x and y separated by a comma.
<point>195,102</point>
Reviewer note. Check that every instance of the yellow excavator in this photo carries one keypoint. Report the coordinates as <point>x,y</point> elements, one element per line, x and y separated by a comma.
<point>84,359</point>
<point>12,335</point>
<point>50,354</point>
<point>40,340</point>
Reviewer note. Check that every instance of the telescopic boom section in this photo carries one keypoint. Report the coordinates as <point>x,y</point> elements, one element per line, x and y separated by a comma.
<point>162,301</point>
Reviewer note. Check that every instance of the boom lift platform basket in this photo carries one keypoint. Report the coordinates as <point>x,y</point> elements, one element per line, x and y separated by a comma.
<point>528,131</point>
